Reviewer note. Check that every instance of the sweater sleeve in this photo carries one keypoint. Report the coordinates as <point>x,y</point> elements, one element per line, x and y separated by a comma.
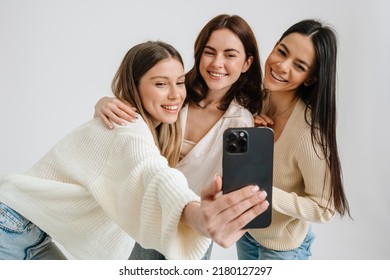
<point>146,197</point>
<point>311,204</point>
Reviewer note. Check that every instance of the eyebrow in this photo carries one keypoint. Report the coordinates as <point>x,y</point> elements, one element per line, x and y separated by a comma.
<point>165,77</point>
<point>299,60</point>
<point>227,50</point>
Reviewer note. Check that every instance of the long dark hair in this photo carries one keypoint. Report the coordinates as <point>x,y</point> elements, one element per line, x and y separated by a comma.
<point>320,99</point>
<point>137,61</point>
<point>247,89</point>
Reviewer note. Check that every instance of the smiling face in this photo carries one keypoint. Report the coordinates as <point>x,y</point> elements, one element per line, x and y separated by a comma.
<point>290,64</point>
<point>162,91</point>
<point>223,60</point>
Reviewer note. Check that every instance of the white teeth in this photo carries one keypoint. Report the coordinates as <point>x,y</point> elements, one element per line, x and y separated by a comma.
<point>217,74</point>
<point>171,108</point>
<point>276,76</point>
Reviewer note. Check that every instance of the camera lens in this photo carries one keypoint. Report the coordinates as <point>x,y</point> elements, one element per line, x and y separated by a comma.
<point>241,141</point>
<point>232,148</point>
<point>232,136</point>
<point>242,144</point>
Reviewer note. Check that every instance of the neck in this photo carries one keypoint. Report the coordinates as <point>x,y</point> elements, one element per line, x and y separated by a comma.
<point>211,100</point>
<point>281,103</point>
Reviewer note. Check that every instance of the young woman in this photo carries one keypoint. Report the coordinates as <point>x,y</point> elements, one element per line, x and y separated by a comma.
<point>300,80</point>
<point>223,90</point>
<point>99,189</point>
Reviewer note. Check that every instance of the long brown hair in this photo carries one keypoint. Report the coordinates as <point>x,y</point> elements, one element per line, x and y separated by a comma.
<point>320,99</point>
<point>247,89</point>
<point>137,61</point>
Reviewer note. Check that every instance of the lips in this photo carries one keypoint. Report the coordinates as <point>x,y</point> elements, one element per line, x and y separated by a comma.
<point>277,77</point>
<point>217,75</point>
<point>170,107</point>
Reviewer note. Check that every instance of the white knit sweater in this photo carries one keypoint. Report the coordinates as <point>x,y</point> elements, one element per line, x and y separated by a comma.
<point>99,189</point>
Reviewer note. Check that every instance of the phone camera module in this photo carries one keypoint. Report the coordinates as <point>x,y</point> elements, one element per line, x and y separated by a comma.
<point>237,142</point>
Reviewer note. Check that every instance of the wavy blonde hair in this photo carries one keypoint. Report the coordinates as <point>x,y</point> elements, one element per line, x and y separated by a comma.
<point>138,60</point>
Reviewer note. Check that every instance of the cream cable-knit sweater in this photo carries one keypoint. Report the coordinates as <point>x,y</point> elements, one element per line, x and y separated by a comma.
<point>99,189</point>
<point>299,196</point>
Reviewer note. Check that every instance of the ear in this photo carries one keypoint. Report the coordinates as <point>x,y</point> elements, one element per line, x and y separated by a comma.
<point>247,64</point>
<point>310,81</point>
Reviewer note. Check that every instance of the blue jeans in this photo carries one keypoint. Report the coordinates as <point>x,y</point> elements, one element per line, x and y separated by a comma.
<point>140,253</point>
<point>249,249</point>
<point>20,239</point>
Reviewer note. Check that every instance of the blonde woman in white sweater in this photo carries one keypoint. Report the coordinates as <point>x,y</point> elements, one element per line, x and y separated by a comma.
<point>99,189</point>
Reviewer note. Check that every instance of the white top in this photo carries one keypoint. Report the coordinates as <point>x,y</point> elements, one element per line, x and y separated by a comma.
<point>204,160</point>
<point>98,189</point>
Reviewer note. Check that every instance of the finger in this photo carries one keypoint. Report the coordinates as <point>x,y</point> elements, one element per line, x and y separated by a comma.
<point>112,117</point>
<point>234,231</point>
<point>241,221</point>
<point>268,119</point>
<point>105,120</point>
<point>260,122</point>
<point>249,215</point>
<point>212,190</point>
<point>126,111</point>
<point>226,201</point>
<point>235,211</point>
<point>263,120</point>
<point>100,104</point>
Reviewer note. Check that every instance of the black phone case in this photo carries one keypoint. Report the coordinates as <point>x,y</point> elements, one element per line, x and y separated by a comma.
<point>248,159</point>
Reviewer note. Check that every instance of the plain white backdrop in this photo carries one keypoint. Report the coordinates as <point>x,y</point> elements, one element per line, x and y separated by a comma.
<point>57,58</point>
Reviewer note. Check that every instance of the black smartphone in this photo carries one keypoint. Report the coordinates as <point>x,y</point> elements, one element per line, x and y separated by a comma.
<point>248,159</point>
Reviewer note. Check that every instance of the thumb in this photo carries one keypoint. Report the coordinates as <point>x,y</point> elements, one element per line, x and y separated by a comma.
<point>217,184</point>
<point>213,189</point>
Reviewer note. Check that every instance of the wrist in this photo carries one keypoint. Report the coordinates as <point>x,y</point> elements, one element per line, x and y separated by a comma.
<point>190,215</point>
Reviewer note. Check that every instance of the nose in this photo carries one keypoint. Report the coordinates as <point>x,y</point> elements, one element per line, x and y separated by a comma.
<point>174,93</point>
<point>218,60</point>
<point>284,65</point>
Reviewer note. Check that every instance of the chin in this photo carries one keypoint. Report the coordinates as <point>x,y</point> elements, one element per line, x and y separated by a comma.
<point>170,120</point>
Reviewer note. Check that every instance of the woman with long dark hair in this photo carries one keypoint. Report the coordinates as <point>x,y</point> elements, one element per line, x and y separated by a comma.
<point>300,106</point>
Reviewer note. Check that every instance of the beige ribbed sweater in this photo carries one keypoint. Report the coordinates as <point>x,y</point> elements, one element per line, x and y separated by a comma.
<point>299,196</point>
<point>99,189</point>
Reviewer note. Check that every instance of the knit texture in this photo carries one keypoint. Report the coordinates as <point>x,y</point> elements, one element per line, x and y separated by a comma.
<point>97,190</point>
<point>301,186</point>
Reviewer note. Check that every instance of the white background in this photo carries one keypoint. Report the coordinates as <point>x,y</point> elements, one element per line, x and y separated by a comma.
<point>57,58</point>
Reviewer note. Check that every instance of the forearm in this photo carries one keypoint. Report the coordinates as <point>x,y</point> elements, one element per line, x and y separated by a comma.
<point>190,216</point>
<point>301,207</point>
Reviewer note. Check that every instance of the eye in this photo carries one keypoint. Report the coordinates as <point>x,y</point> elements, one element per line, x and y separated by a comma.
<point>160,84</point>
<point>300,67</point>
<point>231,55</point>
<point>208,53</point>
<point>180,83</point>
<point>282,52</point>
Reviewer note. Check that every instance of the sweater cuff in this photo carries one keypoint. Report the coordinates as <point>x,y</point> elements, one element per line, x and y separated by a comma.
<point>182,242</point>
